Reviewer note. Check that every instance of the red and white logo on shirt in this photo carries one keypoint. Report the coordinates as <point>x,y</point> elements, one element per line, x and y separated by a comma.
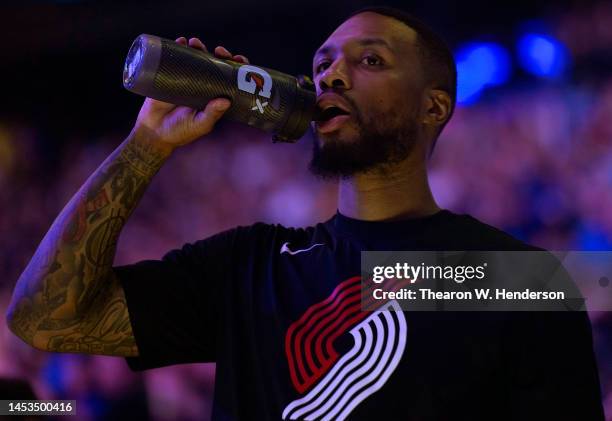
<point>333,385</point>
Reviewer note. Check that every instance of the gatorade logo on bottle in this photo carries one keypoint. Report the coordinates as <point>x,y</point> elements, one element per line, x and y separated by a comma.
<point>252,79</point>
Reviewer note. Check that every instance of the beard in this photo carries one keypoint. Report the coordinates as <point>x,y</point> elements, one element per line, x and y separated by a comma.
<point>382,141</point>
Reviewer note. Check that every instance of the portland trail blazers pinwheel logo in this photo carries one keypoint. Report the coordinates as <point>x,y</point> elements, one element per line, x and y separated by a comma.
<point>332,385</point>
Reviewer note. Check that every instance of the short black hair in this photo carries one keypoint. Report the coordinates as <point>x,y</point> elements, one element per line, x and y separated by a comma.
<point>436,57</point>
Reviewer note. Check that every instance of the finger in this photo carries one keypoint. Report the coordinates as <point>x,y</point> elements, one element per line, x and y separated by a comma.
<point>182,40</point>
<point>222,52</point>
<point>241,59</point>
<point>214,110</point>
<point>196,43</point>
<point>157,106</point>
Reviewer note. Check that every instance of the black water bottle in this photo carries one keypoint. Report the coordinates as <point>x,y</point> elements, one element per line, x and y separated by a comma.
<point>264,98</point>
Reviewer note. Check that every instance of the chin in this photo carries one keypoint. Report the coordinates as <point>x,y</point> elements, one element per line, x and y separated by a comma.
<point>337,136</point>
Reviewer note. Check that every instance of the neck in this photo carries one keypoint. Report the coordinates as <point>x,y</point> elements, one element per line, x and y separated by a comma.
<point>401,192</point>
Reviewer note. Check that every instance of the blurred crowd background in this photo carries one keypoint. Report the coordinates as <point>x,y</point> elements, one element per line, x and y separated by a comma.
<point>529,150</point>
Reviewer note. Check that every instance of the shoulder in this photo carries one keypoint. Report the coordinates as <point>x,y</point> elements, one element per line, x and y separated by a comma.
<point>478,235</point>
<point>262,236</point>
<point>262,231</point>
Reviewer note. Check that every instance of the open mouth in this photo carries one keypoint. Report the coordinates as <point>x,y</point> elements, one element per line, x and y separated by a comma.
<point>329,113</point>
<point>331,119</point>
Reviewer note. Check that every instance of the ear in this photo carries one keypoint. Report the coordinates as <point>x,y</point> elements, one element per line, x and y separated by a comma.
<point>437,107</point>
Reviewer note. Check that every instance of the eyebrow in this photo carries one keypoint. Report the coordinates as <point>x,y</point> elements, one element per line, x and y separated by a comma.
<point>363,42</point>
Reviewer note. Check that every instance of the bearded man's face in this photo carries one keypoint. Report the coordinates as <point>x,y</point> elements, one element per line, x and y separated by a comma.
<point>369,83</point>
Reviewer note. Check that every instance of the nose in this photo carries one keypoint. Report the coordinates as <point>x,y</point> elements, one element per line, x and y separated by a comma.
<point>335,76</point>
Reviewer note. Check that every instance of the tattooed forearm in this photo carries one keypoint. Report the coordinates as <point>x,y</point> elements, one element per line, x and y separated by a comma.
<point>108,333</point>
<point>68,298</point>
<point>143,158</point>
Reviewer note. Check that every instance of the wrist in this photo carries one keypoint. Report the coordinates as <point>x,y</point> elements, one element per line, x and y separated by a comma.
<point>144,152</point>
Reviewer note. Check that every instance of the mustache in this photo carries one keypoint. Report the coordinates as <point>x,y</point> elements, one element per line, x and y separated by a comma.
<point>350,101</point>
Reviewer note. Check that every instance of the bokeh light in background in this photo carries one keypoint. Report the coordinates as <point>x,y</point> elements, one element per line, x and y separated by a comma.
<point>542,55</point>
<point>535,161</point>
<point>480,65</point>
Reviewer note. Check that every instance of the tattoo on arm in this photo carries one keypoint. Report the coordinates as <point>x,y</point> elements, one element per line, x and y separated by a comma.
<point>105,330</point>
<point>68,297</point>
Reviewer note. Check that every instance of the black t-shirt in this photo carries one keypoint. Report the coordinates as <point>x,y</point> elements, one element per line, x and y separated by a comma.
<point>276,308</point>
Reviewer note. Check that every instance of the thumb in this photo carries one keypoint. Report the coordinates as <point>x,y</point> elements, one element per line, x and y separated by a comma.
<point>214,110</point>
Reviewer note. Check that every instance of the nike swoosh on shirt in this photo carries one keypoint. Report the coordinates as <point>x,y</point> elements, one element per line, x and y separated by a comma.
<point>285,249</point>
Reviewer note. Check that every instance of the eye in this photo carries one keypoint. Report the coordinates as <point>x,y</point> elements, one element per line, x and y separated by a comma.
<point>322,66</point>
<point>372,61</point>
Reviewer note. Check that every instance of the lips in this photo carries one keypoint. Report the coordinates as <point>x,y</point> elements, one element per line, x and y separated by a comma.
<point>332,124</point>
<point>332,112</point>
